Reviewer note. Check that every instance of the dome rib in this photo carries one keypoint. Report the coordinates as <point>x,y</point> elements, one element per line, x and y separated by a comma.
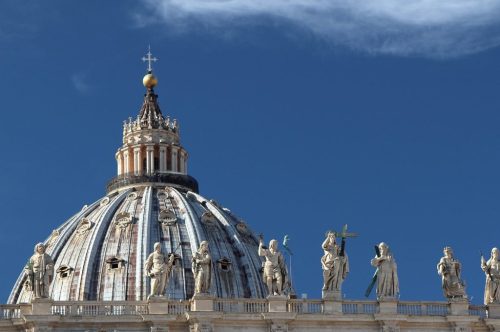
<point>103,247</point>
<point>93,254</point>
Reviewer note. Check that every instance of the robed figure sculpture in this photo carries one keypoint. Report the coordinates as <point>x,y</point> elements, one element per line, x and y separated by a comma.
<point>40,271</point>
<point>335,265</point>
<point>386,274</point>
<point>450,270</point>
<point>158,267</point>
<point>491,269</point>
<point>202,269</point>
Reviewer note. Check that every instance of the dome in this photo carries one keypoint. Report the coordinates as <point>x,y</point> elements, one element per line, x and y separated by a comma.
<point>100,252</point>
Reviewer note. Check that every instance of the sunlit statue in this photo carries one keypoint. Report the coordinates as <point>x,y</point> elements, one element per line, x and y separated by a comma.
<point>40,270</point>
<point>275,273</point>
<point>492,270</point>
<point>158,267</point>
<point>202,269</point>
<point>450,271</point>
<point>335,265</point>
<point>386,274</point>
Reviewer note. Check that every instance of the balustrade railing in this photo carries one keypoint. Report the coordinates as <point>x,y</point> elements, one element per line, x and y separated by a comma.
<point>424,308</point>
<point>305,306</point>
<point>360,307</point>
<point>179,307</point>
<point>242,306</point>
<point>9,311</point>
<point>478,310</point>
<point>87,308</point>
<point>128,179</point>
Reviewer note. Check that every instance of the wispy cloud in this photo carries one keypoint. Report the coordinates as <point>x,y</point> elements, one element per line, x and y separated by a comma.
<point>431,28</point>
<point>80,83</point>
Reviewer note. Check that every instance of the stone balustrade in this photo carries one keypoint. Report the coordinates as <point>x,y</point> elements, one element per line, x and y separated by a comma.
<point>362,315</point>
<point>240,306</point>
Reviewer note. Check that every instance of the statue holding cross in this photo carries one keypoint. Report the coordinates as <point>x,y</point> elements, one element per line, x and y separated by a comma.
<point>335,263</point>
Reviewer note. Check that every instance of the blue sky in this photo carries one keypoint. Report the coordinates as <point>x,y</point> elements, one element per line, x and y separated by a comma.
<point>299,116</point>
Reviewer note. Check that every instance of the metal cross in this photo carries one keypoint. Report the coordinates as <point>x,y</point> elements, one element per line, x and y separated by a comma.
<point>149,59</point>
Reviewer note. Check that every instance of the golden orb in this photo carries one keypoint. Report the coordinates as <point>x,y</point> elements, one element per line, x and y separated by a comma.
<point>149,81</point>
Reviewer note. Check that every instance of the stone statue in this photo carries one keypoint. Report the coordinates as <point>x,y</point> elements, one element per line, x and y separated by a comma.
<point>275,273</point>
<point>450,270</point>
<point>158,267</point>
<point>40,270</point>
<point>492,270</point>
<point>387,273</point>
<point>202,269</point>
<point>335,265</point>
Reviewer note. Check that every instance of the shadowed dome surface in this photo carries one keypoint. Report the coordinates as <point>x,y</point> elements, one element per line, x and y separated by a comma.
<point>100,252</point>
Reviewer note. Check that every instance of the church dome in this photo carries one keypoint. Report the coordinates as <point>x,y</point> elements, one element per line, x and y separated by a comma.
<point>100,252</point>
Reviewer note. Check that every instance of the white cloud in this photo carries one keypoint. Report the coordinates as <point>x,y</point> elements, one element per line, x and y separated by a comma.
<point>79,81</point>
<point>434,28</point>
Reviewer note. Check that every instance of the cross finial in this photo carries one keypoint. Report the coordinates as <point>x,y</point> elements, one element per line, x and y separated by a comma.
<point>149,59</point>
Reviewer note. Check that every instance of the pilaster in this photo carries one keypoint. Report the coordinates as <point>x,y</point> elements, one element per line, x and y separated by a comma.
<point>163,158</point>
<point>137,159</point>
<point>175,166</point>
<point>149,159</point>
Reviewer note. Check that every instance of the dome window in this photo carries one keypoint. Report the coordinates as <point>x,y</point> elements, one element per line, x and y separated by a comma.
<point>53,238</point>
<point>208,218</point>
<point>104,201</point>
<point>162,195</point>
<point>132,196</point>
<point>224,264</point>
<point>63,271</point>
<point>167,217</point>
<point>115,263</point>
<point>242,228</point>
<point>84,226</point>
<point>177,260</point>
<point>123,219</point>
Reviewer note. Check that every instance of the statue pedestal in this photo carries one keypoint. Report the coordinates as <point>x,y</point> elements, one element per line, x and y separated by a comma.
<point>158,305</point>
<point>41,306</point>
<point>494,310</point>
<point>459,307</point>
<point>332,307</point>
<point>332,303</point>
<point>388,306</point>
<point>202,302</point>
<point>277,303</point>
<point>332,295</point>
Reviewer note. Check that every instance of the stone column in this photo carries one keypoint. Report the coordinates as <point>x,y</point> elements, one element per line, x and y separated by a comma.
<point>119,162</point>
<point>181,161</point>
<point>175,167</point>
<point>126,161</point>
<point>149,159</point>
<point>139,168</point>
<point>137,159</point>
<point>163,158</point>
